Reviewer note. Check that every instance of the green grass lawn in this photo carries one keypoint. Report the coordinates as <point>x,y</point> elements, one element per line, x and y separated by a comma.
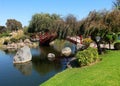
<point>104,73</point>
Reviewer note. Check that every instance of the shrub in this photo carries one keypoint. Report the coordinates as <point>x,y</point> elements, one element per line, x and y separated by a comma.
<point>87,41</point>
<point>87,56</point>
<point>117,45</point>
<point>5,34</point>
<point>14,40</point>
<point>24,37</point>
<point>1,41</point>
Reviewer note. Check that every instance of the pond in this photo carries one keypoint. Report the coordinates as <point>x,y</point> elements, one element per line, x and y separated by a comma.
<point>32,73</point>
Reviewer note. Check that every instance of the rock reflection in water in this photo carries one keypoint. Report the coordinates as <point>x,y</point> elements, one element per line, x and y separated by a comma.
<point>24,68</point>
<point>44,67</point>
<point>46,50</point>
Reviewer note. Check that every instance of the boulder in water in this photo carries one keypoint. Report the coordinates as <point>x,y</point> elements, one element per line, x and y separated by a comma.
<point>66,51</point>
<point>23,55</point>
<point>51,56</point>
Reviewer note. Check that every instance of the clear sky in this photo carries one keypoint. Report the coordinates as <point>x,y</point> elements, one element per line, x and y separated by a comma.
<point>22,10</point>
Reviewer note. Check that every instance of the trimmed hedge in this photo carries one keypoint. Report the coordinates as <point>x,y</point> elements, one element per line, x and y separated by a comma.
<point>117,46</point>
<point>87,56</point>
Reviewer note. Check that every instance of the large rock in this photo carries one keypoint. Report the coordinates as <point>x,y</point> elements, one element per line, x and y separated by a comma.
<point>73,63</point>
<point>23,55</point>
<point>66,51</point>
<point>52,43</point>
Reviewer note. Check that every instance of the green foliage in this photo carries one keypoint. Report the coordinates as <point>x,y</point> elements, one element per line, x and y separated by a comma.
<point>117,45</point>
<point>100,24</point>
<point>87,56</point>
<point>2,29</point>
<point>13,24</point>
<point>40,22</point>
<point>63,27</point>
<point>115,37</point>
<point>104,73</point>
<point>87,41</point>
<point>25,30</point>
<point>14,40</point>
<point>4,34</point>
<point>60,44</point>
<point>110,38</point>
<point>24,37</point>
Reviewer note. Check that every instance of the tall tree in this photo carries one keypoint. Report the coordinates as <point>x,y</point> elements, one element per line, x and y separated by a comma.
<point>72,24</point>
<point>112,20</point>
<point>13,24</point>
<point>40,22</point>
<point>2,29</point>
<point>95,27</point>
<point>94,23</point>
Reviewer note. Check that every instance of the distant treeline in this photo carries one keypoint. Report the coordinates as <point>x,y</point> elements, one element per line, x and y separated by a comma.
<point>95,23</point>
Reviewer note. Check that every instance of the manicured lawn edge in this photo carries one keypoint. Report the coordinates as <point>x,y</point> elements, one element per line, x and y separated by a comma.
<point>104,73</point>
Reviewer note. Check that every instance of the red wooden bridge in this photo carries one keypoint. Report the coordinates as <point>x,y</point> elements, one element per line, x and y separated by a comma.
<point>75,40</point>
<point>46,38</point>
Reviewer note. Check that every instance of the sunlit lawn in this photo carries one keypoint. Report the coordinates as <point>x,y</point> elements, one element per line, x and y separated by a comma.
<point>104,73</point>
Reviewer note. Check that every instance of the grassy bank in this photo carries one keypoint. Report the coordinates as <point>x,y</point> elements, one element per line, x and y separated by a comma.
<point>104,73</point>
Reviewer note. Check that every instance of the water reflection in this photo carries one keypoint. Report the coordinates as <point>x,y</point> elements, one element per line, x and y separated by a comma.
<point>35,72</point>
<point>45,50</point>
<point>24,68</point>
<point>40,62</point>
<point>43,67</point>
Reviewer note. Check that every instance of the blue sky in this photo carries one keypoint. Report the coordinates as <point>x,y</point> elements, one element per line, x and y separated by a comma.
<point>22,10</point>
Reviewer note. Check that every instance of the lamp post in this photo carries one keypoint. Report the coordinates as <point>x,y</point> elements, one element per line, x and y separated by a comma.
<point>98,44</point>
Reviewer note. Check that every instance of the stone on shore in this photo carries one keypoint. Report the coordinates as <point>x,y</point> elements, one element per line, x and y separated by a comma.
<point>22,55</point>
<point>73,63</point>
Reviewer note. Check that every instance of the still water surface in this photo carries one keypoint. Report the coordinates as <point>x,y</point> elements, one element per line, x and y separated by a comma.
<point>32,73</point>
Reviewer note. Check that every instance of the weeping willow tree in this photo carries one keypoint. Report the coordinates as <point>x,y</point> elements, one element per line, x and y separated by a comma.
<point>40,22</point>
<point>94,24</point>
<point>102,24</point>
<point>72,23</point>
<point>67,26</point>
<point>61,29</point>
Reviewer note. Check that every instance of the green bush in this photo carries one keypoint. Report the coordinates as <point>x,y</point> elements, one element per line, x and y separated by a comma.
<point>5,34</point>
<point>14,40</point>
<point>117,46</point>
<point>87,41</point>
<point>24,37</point>
<point>87,56</point>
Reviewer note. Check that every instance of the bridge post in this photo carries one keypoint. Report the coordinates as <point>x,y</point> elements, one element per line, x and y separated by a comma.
<point>80,36</point>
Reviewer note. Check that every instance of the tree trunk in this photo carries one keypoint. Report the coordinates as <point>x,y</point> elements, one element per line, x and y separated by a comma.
<point>98,47</point>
